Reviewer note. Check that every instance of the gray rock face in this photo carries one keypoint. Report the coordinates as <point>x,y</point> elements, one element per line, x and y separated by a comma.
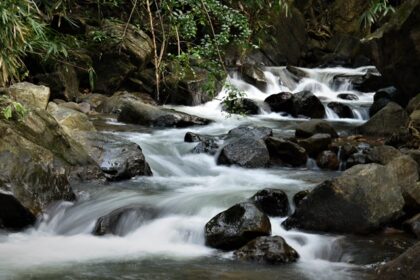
<point>245,152</point>
<point>406,266</point>
<point>30,95</point>
<point>361,200</point>
<point>312,127</point>
<point>254,75</point>
<point>272,202</point>
<point>387,121</point>
<point>124,220</point>
<point>285,152</point>
<point>233,228</point>
<point>258,133</point>
<point>271,250</point>
<point>118,158</point>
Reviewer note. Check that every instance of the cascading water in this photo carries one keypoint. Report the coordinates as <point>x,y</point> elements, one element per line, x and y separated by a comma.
<point>186,191</point>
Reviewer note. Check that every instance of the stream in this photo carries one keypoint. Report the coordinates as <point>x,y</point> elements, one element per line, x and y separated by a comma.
<point>186,191</point>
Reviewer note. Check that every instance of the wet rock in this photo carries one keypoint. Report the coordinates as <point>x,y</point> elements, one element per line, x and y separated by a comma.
<point>361,200</point>
<point>382,154</point>
<point>29,95</point>
<point>281,102</point>
<point>415,119</point>
<point>208,146</point>
<point>137,112</point>
<point>378,105</point>
<point>342,110</point>
<point>95,100</point>
<point>316,143</point>
<point>118,158</point>
<point>285,152</point>
<point>412,225</point>
<point>235,227</point>
<point>328,160</point>
<point>404,168</point>
<point>124,220</point>
<point>13,215</point>
<point>245,152</point>
<point>271,250</point>
<point>348,96</point>
<point>254,75</point>
<point>272,202</point>
<point>307,104</point>
<point>299,197</point>
<point>244,106</point>
<point>395,50</point>
<point>387,121</point>
<point>258,133</point>
<point>312,127</point>
<point>404,267</point>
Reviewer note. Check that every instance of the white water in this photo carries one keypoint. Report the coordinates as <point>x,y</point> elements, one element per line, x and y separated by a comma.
<point>188,190</point>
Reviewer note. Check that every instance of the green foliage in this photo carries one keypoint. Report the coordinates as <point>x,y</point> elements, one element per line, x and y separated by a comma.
<point>11,109</point>
<point>377,10</point>
<point>230,100</point>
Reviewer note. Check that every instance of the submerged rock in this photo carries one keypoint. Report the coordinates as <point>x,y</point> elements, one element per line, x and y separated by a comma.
<point>233,228</point>
<point>272,202</point>
<point>361,200</point>
<point>267,249</point>
<point>124,220</point>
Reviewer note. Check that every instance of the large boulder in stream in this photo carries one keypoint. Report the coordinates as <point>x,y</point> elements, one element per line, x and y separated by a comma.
<point>406,266</point>
<point>134,109</point>
<point>245,147</point>
<point>312,127</point>
<point>307,104</point>
<point>272,202</point>
<point>389,120</point>
<point>281,102</point>
<point>316,143</point>
<point>285,152</point>
<point>361,200</point>
<point>267,249</point>
<point>235,227</point>
<point>118,158</point>
<point>395,48</point>
<point>124,220</point>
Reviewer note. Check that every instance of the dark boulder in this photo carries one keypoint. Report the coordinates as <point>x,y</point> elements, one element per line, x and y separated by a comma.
<point>272,202</point>
<point>285,152</point>
<point>312,127</point>
<point>395,49</point>
<point>271,250</point>
<point>328,160</point>
<point>235,227</point>
<point>361,200</point>
<point>281,102</point>
<point>299,197</point>
<point>13,215</point>
<point>378,105</point>
<point>124,220</point>
<point>207,147</point>
<point>307,104</point>
<point>406,266</point>
<point>316,143</point>
<point>342,110</point>
<point>245,152</point>
<point>387,121</point>
<point>412,225</point>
